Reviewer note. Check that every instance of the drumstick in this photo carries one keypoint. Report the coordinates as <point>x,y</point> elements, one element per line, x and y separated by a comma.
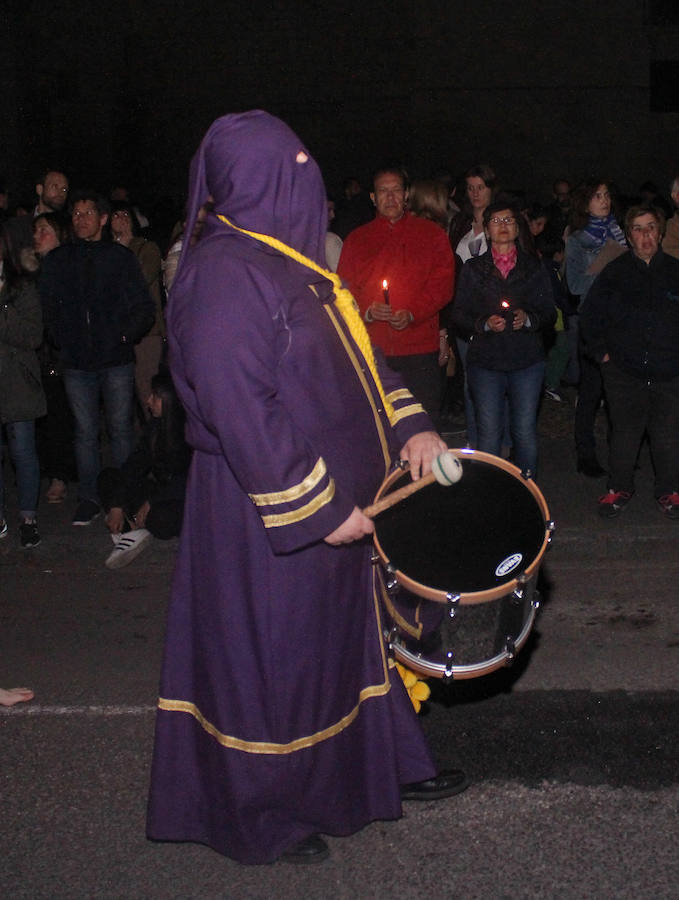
<point>446,469</point>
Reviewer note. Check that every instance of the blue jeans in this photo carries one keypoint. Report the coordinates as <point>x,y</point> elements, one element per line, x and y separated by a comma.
<point>21,442</point>
<point>523,389</point>
<point>116,386</point>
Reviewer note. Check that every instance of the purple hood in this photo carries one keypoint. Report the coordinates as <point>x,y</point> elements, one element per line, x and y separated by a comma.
<point>248,163</point>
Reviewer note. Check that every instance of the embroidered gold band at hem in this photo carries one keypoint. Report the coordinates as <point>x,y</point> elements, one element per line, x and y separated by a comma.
<point>263,747</point>
<point>294,492</point>
<point>296,515</point>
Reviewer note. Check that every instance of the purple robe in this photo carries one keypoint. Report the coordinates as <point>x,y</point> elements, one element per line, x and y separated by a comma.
<point>278,717</point>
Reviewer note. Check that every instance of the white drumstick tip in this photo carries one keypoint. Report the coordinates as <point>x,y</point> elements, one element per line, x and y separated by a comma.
<point>447,469</point>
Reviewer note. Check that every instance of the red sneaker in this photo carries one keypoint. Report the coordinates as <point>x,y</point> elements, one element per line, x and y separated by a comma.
<point>613,502</point>
<point>669,504</point>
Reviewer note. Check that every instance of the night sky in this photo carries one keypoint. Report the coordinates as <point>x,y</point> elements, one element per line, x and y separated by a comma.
<point>123,92</point>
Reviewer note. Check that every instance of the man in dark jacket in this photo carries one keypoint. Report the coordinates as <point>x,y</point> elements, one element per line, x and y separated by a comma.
<point>96,308</point>
<point>630,323</point>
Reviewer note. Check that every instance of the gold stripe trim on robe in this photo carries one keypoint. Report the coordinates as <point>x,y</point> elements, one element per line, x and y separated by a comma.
<point>296,515</point>
<point>271,748</point>
<point>359,371</point>
<point>400,394</point>
<point>294,492</point>
<point>405,411</point>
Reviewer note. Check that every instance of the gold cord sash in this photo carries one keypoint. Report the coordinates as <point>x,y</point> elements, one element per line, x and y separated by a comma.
<point>343,300</point>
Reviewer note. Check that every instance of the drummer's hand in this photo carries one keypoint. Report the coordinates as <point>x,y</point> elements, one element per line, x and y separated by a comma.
<point>352,529</point>
<point>421,450</point>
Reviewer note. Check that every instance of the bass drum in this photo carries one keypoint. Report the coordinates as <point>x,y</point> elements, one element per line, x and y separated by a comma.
<point>458,567</point>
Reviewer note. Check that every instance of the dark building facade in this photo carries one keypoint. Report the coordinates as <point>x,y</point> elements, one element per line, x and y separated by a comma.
<point>124,91</point>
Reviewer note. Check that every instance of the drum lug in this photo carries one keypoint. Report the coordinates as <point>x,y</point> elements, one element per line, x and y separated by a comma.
<point>374,559</point>
<point>510,650</point>
<point>392,584</point>
<point>526,474</point>
<point>448,671</point>
<point>518,592</point>
<point>550,526</point>
<point>391,636</point>
<point>453,601</point>
<point>535,601</point>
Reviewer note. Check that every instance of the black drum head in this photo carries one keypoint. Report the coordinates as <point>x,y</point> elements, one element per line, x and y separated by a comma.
<point>473,536</point>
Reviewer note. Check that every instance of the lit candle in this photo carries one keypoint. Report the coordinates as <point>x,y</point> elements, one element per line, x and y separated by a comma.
<point>506,312</point>
<point>385,291</point>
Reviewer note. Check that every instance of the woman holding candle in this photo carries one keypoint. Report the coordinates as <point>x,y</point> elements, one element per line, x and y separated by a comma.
<point>504,300</point>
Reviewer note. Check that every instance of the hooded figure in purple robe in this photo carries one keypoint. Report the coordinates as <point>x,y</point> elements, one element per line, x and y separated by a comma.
<point>279,717</point>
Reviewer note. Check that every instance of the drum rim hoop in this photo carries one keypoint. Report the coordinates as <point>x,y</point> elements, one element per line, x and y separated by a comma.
<point>466,670</point>
<point>494,593</point>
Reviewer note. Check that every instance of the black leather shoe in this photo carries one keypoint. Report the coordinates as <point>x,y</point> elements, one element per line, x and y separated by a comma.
<point>311,850</point>
<point>445,784</point>
<point>589,466</point>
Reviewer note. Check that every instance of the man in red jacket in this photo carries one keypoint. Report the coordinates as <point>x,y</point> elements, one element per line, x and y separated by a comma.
<point>401,270</point>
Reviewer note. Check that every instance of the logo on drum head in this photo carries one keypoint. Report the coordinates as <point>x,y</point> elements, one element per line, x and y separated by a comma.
<point>508,565</point>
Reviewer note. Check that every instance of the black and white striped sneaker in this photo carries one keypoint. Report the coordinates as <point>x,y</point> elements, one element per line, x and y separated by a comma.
<point>128,548</point>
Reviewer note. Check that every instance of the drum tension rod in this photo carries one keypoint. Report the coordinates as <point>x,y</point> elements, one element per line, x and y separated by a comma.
<point>392,584</point>
<point>510,650</point>
<point>453,601</point>
<point>448,673</point>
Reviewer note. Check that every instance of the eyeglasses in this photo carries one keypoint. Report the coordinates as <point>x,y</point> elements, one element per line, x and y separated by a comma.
<point>502,220</point>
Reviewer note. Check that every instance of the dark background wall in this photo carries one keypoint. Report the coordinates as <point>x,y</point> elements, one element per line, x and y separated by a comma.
<point>124,91</point>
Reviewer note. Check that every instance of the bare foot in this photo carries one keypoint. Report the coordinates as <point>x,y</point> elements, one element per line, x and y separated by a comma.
<point>15,695</point>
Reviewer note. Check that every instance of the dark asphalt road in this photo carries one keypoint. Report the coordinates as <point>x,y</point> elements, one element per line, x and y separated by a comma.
<point>572,753</point>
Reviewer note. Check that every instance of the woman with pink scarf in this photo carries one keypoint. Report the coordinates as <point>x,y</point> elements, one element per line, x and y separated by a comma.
<point>504,299</point>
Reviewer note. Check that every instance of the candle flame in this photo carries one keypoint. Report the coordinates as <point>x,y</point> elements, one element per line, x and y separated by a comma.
<point>505,304</point>
<point>385,284</point>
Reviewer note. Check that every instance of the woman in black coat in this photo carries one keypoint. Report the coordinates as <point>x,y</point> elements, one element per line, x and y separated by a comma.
<point>504,300</point>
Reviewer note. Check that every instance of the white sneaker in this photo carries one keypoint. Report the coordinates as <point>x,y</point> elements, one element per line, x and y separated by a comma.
<point>128,548</point>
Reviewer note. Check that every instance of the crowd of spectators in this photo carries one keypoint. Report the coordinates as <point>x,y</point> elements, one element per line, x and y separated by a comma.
<point>85,280</point>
